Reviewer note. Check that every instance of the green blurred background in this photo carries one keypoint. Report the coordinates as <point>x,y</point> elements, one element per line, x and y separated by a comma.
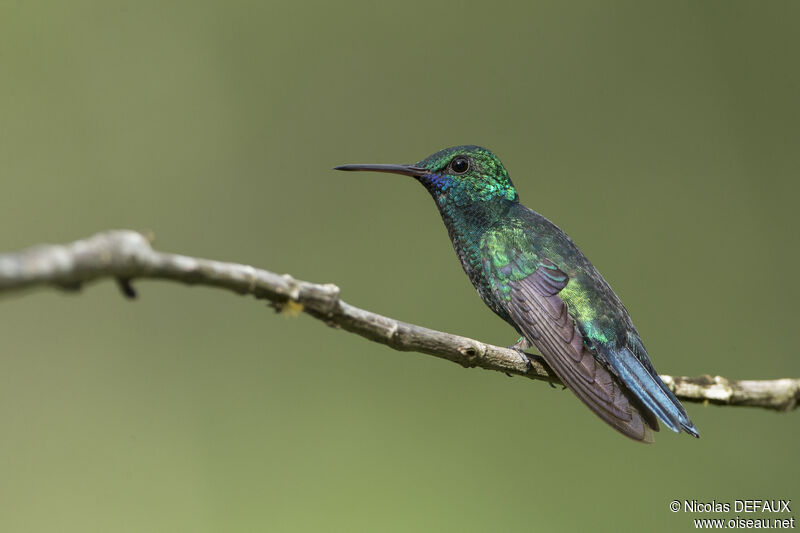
<point>663,137</point>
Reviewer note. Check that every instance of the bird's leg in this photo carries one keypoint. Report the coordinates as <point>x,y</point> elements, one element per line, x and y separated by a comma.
<point>520,346</point>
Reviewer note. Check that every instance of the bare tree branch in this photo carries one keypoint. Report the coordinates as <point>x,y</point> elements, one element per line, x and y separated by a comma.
<point>127,255</point>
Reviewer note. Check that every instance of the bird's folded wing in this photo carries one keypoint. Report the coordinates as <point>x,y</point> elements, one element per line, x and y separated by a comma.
<point>542,316</point>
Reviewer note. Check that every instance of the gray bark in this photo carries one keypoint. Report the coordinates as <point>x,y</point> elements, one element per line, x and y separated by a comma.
<point>127,255</point>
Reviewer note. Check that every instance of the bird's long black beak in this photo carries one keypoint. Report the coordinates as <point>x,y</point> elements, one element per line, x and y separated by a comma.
<point>407,170</point>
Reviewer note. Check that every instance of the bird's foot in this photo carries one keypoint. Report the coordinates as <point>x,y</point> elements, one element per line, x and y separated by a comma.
<point>520,346</point>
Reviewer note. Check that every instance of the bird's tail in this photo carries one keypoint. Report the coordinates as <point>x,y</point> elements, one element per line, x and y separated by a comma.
<point>651,391</point>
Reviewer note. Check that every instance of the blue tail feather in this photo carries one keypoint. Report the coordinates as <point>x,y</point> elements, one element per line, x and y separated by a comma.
<point>650,390</point>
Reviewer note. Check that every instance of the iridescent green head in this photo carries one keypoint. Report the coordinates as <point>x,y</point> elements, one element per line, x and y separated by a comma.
<point>460,174</point>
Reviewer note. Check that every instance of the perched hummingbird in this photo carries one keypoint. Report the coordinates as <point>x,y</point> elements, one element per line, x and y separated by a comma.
<point>535,278</point>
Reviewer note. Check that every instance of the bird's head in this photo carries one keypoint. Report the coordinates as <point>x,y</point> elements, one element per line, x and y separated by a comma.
<point>461,175</point>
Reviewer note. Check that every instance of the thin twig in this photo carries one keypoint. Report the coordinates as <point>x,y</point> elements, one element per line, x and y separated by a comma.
<point>127,255</point>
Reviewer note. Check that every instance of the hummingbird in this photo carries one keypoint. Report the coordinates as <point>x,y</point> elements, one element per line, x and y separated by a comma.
<point>532,275</point>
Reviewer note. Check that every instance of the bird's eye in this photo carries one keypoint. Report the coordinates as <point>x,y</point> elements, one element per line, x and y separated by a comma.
<point>459,165</point>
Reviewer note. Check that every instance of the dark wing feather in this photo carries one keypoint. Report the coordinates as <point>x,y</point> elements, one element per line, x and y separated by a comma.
<point>542,316</point>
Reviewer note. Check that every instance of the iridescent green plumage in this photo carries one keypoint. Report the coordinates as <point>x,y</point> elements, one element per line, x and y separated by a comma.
<point>532,275</point>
